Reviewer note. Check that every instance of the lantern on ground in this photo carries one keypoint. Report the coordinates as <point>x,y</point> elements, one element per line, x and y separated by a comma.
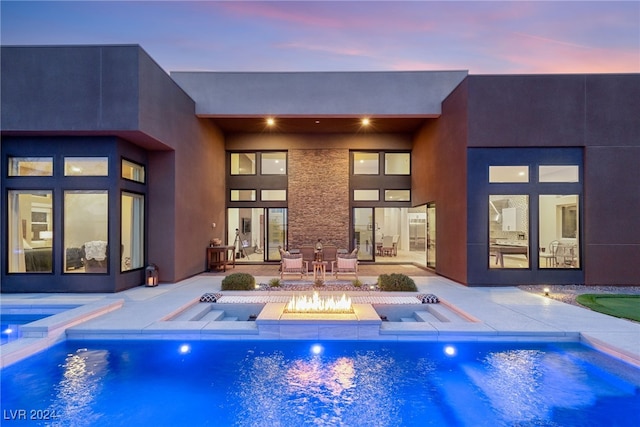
<point>151,275</point>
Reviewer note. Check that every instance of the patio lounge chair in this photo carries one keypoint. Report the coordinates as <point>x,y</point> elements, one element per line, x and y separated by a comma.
<point>345,266</point>
<point>329,254</point>
<point>293,265</point>
<point>308,254</point>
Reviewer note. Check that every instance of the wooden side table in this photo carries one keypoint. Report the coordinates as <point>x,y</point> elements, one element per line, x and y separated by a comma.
<point>218,257</point>
<point>319,267</point>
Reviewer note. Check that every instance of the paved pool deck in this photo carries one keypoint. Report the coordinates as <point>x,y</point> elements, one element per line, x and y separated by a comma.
<point>492,314</point>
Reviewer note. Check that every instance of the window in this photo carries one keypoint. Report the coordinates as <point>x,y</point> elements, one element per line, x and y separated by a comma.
<point>397,195</point>
<point>30,231</point>
<point>558,173</point>
<point>558,233</point>
<point>86,166</point>
<point>499,174</point>
<point>273,163</point>
<point>271,195</point>
<point>365,163</point>
<point>243,163</point>
<point>243,195</point>
<point>397,163</point>
<point>132,171</point>
<point>509,231</point>
<point>366,195</point>
<point>86,229</point>
<point>132,231</point>
<point>30,166</point>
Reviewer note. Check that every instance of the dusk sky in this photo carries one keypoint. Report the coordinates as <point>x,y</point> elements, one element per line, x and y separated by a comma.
<point>484,37</point>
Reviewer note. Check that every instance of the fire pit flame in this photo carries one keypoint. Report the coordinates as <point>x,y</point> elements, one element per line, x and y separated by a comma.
<point>317,304</point>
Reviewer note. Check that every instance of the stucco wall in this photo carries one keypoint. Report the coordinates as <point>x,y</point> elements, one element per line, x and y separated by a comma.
<point>439,175</point>
<point>597,112</point>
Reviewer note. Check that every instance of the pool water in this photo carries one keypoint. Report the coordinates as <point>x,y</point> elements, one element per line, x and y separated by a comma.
<point>10,325</point>
<point>337,383</point>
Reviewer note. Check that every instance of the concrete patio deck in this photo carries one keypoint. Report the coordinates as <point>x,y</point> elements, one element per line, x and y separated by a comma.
<point>498,314</point>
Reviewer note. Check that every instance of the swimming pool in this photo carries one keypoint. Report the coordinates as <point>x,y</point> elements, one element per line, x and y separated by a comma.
<point>331,383</point>
<point>10,325</point>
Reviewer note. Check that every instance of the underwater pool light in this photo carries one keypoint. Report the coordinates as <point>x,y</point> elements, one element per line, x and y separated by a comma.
<point>450,350</point>
<point>7,331</point>
<point>184,349</point>
<point>316,349</point>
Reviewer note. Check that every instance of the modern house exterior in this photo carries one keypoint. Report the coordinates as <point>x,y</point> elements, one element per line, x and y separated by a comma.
<point>110,164</point>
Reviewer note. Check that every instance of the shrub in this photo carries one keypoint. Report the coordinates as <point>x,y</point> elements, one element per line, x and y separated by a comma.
<point>238,282</point>
<point>274,283</point>
<point>396,282</point>
<point>356,283</point>
<point>318,282</point>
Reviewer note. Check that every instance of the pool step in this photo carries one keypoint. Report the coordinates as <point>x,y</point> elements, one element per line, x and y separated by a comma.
<point>425,316</point>
<point>229,319</point>
<point>445,314</point>
<point>408,319</point>
<point>195,312</point>
<point>213,315</point>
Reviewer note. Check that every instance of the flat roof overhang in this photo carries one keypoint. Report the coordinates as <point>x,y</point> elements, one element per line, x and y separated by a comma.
<point>319,102</point>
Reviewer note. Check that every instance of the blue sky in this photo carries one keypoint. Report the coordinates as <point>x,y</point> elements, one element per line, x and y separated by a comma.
<point>484,37</point>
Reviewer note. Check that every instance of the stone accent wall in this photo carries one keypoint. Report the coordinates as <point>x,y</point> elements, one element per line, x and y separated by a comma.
<point>319,197</point>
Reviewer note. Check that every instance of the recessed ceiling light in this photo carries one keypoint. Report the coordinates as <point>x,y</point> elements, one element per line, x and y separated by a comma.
<point>317,122</point>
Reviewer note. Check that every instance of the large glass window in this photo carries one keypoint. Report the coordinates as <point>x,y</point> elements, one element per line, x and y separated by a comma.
<point>365,163</point>
<point>273,195</point>
<point>133,171</point>
<point>499,174</point>
<point>509,231</point>
<point>558,227</point>
<point>86,166</point>
<point>30,231</point>
<point>132,232</point>
<point>252,240</point>
<point>558,173</point>
<point>273,163</point>
<point>30,166</point>
<point>397,195</point>
<point>86,229</point>
<point>397,163</point>
<point>243,163</point>
<point>243,195</point>
<point>431,235</point>
<point>366,195</point>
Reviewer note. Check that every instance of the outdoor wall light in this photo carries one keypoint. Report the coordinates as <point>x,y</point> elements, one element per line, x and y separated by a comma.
<point>271,121</point>
<point>546,292</point>
<point>365,121</point>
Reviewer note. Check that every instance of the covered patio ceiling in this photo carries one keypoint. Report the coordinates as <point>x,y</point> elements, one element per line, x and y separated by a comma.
<point>319,124</point>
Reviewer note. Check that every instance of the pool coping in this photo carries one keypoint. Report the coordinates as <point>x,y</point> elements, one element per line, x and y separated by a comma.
<point>43,333</point>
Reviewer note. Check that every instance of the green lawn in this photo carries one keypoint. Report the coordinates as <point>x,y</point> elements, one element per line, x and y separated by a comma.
<point>618,305</point>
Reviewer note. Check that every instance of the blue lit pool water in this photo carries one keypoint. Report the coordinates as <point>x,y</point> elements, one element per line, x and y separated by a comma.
<point>10,325</point>
<point>284,383</point>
